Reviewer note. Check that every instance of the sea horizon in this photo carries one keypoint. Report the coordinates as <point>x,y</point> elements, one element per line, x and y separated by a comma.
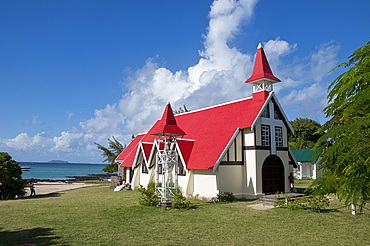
<point>59,171</point>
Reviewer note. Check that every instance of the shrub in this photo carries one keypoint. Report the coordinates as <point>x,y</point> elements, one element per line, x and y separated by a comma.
<point>179,201</point>
<point>226,197</point>
<point>11,183</point>
<point>316,203</point>
<point>148,196</point>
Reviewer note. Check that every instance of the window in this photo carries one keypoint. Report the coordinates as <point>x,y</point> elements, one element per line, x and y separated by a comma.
<point>277,114</point>
<point>144,169</point>
<point>160,168</point>
<point>265,135</point>
<point>278,136</point>
<point>266,112</point>
<point>181,170</point>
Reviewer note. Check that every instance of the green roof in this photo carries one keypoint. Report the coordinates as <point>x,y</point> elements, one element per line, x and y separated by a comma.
<point>304,155</point>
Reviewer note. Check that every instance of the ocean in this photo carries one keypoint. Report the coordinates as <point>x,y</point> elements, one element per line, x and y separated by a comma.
<point>59,171</point>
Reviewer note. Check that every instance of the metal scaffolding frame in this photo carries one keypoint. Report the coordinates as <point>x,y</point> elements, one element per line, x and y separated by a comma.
<point>166,162</point>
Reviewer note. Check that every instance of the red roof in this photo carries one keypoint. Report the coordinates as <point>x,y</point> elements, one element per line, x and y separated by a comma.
<point>186,147</point>
<point>211,128</point>
<point>167,126</point>
<point>128,154</point>
<point>261,67</point>
<point>147,148</point>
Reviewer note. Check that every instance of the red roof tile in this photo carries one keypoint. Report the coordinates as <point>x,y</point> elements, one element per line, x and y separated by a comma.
<point>167,125</point>
<point>211,128</point>
<point>147,148</point>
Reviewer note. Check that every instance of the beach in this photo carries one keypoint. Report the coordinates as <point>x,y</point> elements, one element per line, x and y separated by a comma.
<point>44,188</point>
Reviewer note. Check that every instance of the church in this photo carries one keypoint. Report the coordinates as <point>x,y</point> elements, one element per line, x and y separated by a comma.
<point>239,146</point>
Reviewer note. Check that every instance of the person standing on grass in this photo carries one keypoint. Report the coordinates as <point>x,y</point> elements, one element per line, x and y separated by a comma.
<point>32,188</point>
<point>291,181</point>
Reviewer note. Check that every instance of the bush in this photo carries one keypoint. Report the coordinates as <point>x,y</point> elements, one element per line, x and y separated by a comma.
<point>179,201</point>
<point>316,203</point>
<point>226,197</point>
<point>11,183</point>
<point>148,196</point>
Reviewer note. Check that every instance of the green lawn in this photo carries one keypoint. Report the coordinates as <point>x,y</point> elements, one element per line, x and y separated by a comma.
<point>99,216</point>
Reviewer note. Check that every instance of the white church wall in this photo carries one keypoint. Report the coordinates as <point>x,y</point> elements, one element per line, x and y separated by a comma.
<point>283,155</point>
<point>261,156</point>
<point>205,183</point>
<point>231,178</point>
<point>250,160</point>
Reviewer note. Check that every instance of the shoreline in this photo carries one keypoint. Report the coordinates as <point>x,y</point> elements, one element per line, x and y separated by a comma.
<point>44,187</point>
<point>69,179</point>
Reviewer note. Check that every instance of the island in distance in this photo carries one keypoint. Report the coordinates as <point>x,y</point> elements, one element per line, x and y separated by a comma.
<point>57,161</point>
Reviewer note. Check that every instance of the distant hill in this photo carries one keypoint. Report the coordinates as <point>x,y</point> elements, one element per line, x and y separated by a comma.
<point>57,161</point>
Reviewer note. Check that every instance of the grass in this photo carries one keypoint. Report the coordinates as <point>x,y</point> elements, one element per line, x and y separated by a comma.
<point>302,183</point>
<point>99,216</point>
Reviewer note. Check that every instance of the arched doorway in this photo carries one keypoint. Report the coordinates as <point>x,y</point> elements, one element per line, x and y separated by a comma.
<point>273,175</point>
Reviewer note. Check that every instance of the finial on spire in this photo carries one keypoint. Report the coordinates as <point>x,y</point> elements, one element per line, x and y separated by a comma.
<point>262,77</point>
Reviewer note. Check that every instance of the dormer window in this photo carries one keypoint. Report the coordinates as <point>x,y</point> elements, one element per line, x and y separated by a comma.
<point>266,112</point>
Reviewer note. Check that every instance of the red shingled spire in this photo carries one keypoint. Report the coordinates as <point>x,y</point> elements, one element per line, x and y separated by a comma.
<point>262,68</point>
<point>167,125</point>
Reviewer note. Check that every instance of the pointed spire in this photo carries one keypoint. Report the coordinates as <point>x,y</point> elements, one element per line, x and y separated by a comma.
<point>262,70</point>
<point>167,125</point>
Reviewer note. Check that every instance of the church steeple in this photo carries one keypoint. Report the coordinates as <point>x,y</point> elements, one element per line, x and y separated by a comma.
<point>262,78</point>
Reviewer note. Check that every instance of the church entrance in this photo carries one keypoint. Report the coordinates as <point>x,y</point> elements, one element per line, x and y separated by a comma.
<point>272,175</point>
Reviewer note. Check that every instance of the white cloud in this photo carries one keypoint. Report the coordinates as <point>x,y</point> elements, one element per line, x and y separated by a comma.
<point>25,142</point>
<point>69,115</point>
<point>36,120</point>
<point>218,77</point>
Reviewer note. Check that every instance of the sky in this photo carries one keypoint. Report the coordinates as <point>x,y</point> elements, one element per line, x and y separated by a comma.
<point>77,72</point>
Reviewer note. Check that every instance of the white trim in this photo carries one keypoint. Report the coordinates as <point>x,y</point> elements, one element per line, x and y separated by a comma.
<point>262,109</point>
<point>142,148</point>
<point>130,151</point>
<point>214,106</point>
<point>136,157</point>
<point>282,111</point>
<point>226,149</point>
<point>293,157</point>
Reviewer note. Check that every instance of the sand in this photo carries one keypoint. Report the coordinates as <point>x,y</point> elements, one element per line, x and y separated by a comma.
<point>43,188</point>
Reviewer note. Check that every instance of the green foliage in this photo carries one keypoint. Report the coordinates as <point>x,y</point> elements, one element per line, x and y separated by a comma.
<point>315,203</point>
<point>148,196</point>
<point>179,201</point>
<point>344,145</point>
<point>226,197</point>
<point>327,184</point>
<point>305,135</point>
<point>181,110</point>
<point>111,153</point>
<point>11,183</point>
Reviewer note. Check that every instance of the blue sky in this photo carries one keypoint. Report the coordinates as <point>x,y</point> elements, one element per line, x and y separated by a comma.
<point>77,72</point>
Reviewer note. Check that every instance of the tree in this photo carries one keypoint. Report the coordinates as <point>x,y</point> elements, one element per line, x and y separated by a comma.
<point>344,145</point>
<point>111,153</point>
<point>181,110</point>
<point>11,183</point>
<point>305,135</point>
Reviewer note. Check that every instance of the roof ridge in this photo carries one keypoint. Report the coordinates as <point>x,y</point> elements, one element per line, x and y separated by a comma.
<point>215,106</point>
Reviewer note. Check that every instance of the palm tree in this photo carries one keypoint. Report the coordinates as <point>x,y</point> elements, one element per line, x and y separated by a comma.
<point>111,153</point>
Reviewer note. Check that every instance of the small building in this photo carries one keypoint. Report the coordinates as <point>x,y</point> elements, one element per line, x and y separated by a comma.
<point>239,147</point>
<point>306,168</point>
